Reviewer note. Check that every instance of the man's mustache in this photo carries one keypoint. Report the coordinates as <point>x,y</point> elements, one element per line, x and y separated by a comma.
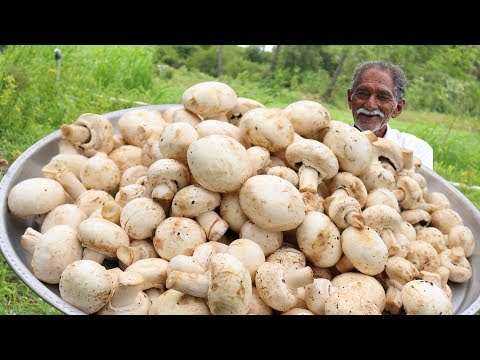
<point>371,113</point>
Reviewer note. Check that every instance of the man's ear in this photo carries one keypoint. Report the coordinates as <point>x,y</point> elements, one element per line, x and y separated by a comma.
<point>349,98</point>
<point>399,108</point>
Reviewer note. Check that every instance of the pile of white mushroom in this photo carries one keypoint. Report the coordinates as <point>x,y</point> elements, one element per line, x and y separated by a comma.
<point>224,206</point>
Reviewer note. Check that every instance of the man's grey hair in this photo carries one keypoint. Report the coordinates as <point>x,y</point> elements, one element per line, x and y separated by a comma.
<point>397,72</point>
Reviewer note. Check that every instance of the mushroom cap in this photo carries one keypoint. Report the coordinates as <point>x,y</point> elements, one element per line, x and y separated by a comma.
<point>353,150</point>
<point>230,285</point>
<point>101,134</point>
<point>269,128</point>
<point>272,288</point>
<point>92,200</point>
<point>216,127</point>
<point>377,177</point>
<point>288,257</point>
<point>173,302</point>
<point>177,235</point>
<point>87,285</point>
<point>423,256</point>
<point>131,121</point>
<point>285,173</point>
<point>102,236</point>
<point>269,241</point>
<point>35,196</point>
<point>380,217</point>
<point>175,140</point>
<point>65,214</point>
<point>382,196</point>
<point>421,297</point>
<point>231,211</point>
<point>344,302</point>
<point>140,217</point>
<point>460,235</point>
<point>132,174</point>
<point>182,115</point>
<point>126,156</point>
<point>445,219</point>
<point>365,249</point>
<point>140,306</point>
<point>219,163</point>
<point>259,159</point>
<point>209,99</point>
<point>73,162</point>
<point>100,173</point>
<point>351,184</point>
<point>317,293</point>
<point>314,154</point>
<point>55,249</point>
<point>459,266</point>
<point>164,170</point>
<point>319,239</point>
<point>389,150</point>
<point>154,271</point>
<point>128,193</point>
<point>401,270</point>
<point>272,203</point>
<point>297,311</point>
<point>249,253</point>
<point>416,217</point>
<point>194,200</point>
<point>307,117</point>
<point>365,286</point>
<point>434,237</point>
<point>258,306</point>
<point>242,106</point>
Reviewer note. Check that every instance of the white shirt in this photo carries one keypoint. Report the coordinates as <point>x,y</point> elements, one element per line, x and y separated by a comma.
<point>420,148</point>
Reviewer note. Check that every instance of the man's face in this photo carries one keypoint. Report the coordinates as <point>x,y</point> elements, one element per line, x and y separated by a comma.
<point>372,101</point>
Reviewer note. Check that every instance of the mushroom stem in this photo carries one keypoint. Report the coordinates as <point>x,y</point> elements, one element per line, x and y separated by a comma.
<point>165,190</point>
<point>296,278</point>
<point>130,254</point>
<point>185,264</point>
<point>70,183</point>
<point>407,159</point>
<point>390,240</point>
<point>111,212</point>
<point>190,284</point>
<point>457,254</point>
<point>308,179</point>
<point>355,219</point>
<point>89,254</point>
<point>75,133</point>
<point>66,147</point>
<point>393,300</point>
<point>30,239</point>
<point>130,284</point>
<point>213,225</point>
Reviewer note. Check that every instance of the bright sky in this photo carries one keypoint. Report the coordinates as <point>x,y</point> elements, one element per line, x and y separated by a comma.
<point>267,47</point>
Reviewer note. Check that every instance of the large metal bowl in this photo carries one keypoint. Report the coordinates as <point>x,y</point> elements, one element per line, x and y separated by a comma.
<point>466,296</point>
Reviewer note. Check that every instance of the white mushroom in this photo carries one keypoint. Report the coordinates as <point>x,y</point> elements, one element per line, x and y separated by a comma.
<point>66,214</point>
<point>308,117</point>
<point>175,140</point>
<point>35,196</point>
<point>272,203</point>
<point>319,239</point>
<point>126,156</point>
<point>140,217</point>
<point>86,285</point>
<point>243,106</point>
<point>226,285</point>
<point>173,302</point>
<point>460,235</point>
<point>219,163</point>
<point>177,235</point>
<point>231,211</point>
<point>344,302</point>
<point>100,173</point>
<point>165,177</point>
<point>422,297</point>
<point>454,260</point>
<point>269,241</point>
<point>52,251</point>
<point>365,249</point>
<point>269,128</point>
<point>317,294</point>
<point>211,100</point>
<point>194,201</point>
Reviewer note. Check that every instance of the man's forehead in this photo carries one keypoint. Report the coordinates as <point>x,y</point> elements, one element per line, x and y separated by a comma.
<point>376,77</point>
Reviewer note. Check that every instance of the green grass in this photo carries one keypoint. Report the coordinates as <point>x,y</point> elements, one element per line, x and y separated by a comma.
<point>33,104</point>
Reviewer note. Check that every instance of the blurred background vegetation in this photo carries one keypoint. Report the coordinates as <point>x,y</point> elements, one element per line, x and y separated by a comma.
<point>442,98</point>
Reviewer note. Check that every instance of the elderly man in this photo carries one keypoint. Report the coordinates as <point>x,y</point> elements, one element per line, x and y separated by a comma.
<point>376,96</point>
